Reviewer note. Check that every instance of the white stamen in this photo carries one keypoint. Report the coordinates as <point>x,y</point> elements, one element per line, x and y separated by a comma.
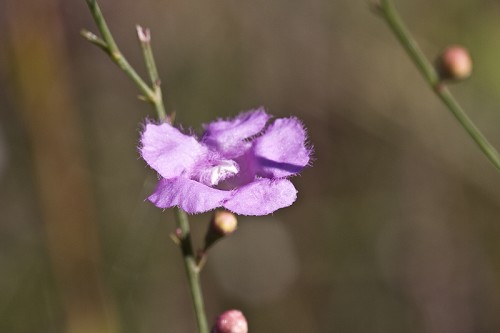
<point>224,169</point>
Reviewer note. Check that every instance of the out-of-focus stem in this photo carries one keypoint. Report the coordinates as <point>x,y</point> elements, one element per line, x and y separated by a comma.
<point>45,99</point>
<point>154,95</point>
<point>390,15</point>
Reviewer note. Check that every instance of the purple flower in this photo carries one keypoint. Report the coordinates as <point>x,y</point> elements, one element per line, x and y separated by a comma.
<point>239,164</point>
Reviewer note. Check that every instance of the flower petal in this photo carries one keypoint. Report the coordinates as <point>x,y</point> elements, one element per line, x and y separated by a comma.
<point>190,195</point>
<point>168,151</point>
<point>228,136</point>
<point>262,197</point>
<point>281,151</point>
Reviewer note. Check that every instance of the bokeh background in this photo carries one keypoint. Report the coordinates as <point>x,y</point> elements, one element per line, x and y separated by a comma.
<point>397,224</point>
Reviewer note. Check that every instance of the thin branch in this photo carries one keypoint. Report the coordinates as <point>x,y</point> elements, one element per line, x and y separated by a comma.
<point>109,45</point>
<point>393,20</point>
<point>145,40</point>
<point>192,269</point>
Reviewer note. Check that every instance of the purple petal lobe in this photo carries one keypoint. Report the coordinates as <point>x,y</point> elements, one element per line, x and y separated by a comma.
<point>191,196</point>
<point>262,197</point>
<point>227,136</point>
<point>281,151</point>
<point>168,151</point>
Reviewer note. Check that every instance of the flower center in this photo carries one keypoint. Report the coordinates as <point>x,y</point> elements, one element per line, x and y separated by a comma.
<point>217,173</point>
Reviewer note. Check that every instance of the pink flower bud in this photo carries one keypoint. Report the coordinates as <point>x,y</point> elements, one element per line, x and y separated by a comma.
<point>231,321</point>
<point>454,63</point>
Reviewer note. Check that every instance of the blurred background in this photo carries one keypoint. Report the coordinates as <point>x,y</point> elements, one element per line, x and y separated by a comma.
<point>397,224</point>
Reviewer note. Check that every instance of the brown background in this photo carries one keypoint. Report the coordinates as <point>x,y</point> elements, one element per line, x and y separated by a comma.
<point>397,224</point>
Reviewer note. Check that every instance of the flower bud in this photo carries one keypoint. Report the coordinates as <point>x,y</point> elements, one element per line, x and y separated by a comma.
<point>223,223</point>
<point>454,64</point>
<point>231,321</point>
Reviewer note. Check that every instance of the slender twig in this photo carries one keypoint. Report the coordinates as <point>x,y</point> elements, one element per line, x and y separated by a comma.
<point>145,40</point>
<point>192,269</point>
<point>108,44</point>
<point>390,15</point>
<point>154,95</point>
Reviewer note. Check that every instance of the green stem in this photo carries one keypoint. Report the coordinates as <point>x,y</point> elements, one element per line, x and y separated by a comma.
<point>192,269</point>
<point>389,13</point>
<point>154,96</point>
<point>145,40</point>
<point>108,44</point>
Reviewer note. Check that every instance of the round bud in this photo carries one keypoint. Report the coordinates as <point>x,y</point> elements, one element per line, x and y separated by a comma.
<point>454,64</point>
<point>224,222</point>
<point>231,321</point>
